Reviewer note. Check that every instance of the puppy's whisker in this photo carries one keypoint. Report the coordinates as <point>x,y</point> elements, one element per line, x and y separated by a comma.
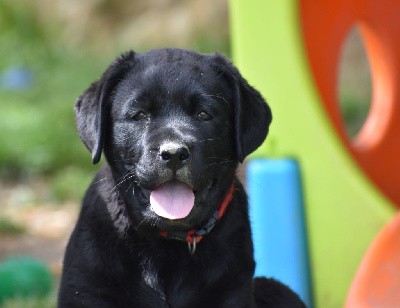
<point>126,177</point>
<point>99,181</point>
<point>129,187</point>
<point>138,226</point>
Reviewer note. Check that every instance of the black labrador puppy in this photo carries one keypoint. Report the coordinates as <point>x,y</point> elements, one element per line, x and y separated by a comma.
<point>165,221</point>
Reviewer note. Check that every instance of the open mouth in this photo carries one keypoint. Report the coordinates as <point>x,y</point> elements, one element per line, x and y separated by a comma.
<point>172,200</point>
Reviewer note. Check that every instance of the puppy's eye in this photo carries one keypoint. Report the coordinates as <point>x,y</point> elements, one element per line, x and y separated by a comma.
<point>203,116</point>
<point>139,116</point>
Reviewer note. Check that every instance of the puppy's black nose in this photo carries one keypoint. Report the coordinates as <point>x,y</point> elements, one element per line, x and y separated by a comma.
<point>174,155</point>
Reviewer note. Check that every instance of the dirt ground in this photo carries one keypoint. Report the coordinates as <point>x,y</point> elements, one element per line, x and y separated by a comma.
<point>47,225</point>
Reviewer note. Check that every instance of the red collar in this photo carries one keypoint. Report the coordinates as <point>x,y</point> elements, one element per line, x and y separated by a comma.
<point>194,236</point>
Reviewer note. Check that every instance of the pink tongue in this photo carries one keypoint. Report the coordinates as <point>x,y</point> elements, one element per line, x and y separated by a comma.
<point>172,200</point>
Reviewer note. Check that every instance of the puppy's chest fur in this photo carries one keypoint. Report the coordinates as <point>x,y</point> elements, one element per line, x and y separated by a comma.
<point>174,278</point>
<point>151,277</point>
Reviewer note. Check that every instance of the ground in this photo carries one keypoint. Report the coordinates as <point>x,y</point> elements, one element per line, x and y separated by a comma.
<point>47,225</point>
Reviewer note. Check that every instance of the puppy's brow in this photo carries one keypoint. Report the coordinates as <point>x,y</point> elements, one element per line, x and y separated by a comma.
<point>216,98</point>
<point>133,99</point>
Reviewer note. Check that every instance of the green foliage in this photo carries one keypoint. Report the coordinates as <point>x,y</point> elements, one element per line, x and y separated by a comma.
<point>355,111</point>
<point>37,124</point>
<point>38,134</point>
<point>22,36</point>
<point>70,182</point>
<point>8,227</point>
<point>208,45</point>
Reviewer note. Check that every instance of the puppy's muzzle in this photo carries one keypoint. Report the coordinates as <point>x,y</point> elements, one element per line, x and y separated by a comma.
<point>174,155</point>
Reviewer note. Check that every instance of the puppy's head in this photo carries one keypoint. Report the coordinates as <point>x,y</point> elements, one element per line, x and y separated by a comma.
<point>173,125</point>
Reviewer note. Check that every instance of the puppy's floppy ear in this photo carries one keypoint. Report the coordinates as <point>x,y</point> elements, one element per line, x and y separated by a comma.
<point>252,114</point>
<point>91,108</point>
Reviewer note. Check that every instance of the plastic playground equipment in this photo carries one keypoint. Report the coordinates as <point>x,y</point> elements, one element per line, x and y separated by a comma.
<point>22,277</point>
<point>377,281</point>
<point>290,50</point>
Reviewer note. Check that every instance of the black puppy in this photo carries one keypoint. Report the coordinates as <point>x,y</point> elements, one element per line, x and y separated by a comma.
<point>165,222</point>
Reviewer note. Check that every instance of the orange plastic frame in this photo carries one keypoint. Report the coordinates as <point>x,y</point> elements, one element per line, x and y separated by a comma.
<point>377,282</point>
<point>325,24</point>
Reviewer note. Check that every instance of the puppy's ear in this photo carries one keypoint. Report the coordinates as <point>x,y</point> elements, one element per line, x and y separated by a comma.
<point>252,114</point>
<point>91,108</point>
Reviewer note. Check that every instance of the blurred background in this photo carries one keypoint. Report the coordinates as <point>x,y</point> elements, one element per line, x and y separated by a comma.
<point>50,51</point>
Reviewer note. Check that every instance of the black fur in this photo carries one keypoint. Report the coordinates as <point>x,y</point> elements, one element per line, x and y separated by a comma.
<point>116,256</point>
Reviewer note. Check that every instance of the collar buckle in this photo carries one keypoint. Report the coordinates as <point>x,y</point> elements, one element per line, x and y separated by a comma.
<point>192,246</point>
